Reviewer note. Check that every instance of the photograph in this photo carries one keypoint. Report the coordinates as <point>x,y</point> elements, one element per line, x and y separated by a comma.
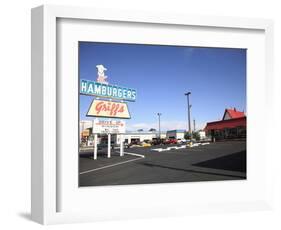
<point>152,113</point>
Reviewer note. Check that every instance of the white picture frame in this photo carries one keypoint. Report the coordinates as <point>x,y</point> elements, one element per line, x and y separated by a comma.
<point>46,181</point>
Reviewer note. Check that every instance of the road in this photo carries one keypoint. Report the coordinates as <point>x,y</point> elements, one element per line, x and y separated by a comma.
<point>216,161</point>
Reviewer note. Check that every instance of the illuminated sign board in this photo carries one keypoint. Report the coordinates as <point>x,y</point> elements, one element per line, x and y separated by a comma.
<point>108,126</point>
<point>98,89</point>
<point>110,109</point>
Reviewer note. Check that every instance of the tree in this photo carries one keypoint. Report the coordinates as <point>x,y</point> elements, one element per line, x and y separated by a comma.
<point>152,130</point>
<point>140,130</point>
<point>196,136</point>
<point>187,136</point>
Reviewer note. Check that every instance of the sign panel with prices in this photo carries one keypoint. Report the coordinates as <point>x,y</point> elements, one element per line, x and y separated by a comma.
<point>109,126</point>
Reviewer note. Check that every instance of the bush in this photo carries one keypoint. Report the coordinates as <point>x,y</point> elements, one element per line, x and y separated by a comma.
<point>195,135</point>
<point>187,136</point>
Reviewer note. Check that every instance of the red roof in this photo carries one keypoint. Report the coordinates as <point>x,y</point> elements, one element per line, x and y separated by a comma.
<point>233,113</point>
<point>235,119</point>
<point>231,123</point>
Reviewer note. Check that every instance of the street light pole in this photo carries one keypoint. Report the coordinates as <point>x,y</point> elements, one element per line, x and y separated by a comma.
<point>188,112</point>
<point>194,127</point>
<point>159,130</point>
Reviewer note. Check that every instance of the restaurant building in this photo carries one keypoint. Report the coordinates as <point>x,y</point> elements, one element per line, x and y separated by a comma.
<point>232,125</point>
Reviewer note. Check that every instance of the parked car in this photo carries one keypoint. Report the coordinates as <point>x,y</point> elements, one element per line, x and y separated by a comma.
<point>206,139</point>
<point>158,141</point>
<point>171,141</point>
<point>133,144</point>
<point>145,144</point>
<point>181,141</point>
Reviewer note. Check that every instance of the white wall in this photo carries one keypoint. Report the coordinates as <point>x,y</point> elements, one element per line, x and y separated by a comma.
<point>15,113</point>
<point>176,135</point>
<point>85,124</point>
<point>202,134</point>
<point>140,136</point>
<point>180,136</point>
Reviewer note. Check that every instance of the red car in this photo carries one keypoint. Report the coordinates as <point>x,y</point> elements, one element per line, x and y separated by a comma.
<point>171,141</point>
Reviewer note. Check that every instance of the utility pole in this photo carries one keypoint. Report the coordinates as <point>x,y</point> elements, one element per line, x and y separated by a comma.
<point>159,129</point>
<point>188,113</point>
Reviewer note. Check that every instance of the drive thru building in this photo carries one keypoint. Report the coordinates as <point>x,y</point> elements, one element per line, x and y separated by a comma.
<point>232,125</point>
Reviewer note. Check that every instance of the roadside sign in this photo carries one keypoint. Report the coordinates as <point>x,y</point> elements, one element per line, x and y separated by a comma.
<point>107,108</point>
<point>114,127</point>
<point>92,88</point>
<point>111,109</point>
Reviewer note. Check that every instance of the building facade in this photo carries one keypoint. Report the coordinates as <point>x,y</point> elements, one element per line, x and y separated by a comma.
<point>233,125</point>
<point>135,137</point>
<point>175,134</point>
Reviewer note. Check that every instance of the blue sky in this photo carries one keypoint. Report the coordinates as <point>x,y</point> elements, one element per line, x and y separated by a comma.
<point>216,78</point>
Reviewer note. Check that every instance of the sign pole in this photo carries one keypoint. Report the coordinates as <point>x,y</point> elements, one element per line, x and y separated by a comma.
<point>109,146</point>
<point>121,146</point>
<point>95,146</point>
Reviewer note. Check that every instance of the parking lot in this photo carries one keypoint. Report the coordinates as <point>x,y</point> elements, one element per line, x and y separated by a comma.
<point>143,165</point>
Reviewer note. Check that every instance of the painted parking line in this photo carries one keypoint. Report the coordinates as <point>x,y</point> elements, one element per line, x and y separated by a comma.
<point>180,147</point>
<point>135,154</point>
<point>169,148</point>
<point>120,163</point>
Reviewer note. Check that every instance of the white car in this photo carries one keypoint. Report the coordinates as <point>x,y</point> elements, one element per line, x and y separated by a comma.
<point>181,141</point>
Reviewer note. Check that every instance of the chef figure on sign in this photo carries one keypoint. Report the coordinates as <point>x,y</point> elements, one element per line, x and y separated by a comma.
<point>101,78</point>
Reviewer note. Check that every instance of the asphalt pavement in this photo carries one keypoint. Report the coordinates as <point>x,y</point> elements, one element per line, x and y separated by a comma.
<point>216,161</point>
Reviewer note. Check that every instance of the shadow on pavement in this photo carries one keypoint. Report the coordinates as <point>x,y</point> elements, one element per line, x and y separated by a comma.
<point>192,170</point>
<point>233,162</point>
